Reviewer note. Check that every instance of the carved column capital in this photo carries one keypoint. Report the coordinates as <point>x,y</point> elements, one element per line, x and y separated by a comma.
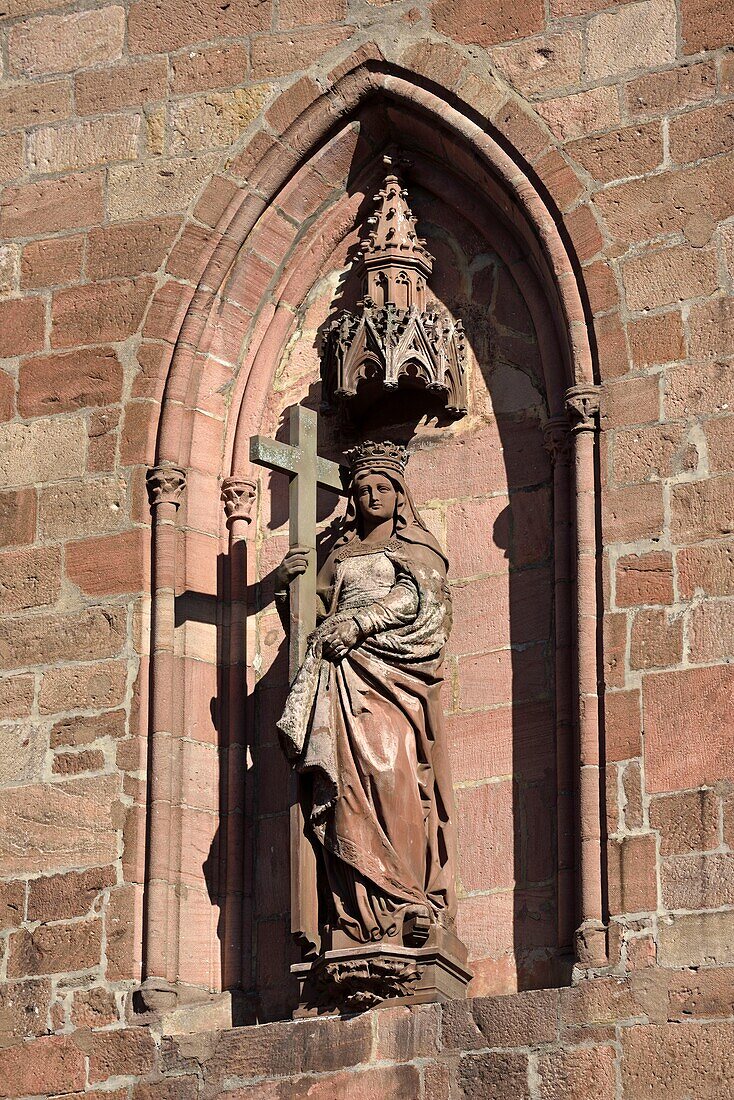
<point>165,484</point>
<point>238,495</point>
<point>557,440</point>
<point>582,406</point>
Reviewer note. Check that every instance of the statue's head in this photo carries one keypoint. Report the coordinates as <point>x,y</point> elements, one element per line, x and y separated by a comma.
<point>378,485</point>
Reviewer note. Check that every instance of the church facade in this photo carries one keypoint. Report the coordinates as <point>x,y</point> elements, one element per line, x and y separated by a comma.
<point>250,253</point>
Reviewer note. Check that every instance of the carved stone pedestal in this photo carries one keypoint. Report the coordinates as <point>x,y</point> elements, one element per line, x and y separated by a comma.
<point>353,979</point>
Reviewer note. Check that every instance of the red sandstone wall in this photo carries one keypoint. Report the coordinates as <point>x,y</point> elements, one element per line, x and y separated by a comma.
<point>113,119</point>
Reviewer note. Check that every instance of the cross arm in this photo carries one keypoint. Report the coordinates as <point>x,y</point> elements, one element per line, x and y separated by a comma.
<point>287,459</point>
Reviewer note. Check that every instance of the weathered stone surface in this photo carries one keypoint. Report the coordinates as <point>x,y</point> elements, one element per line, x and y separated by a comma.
<point>697,939</point>
<point>62,897</point>
<point>501,1075</point>
<point>24,1009</point>
<point>56,1064</point>
<point>578,1074</point>
<point>59,825</point>
<point>60,43</point>
<point>22,752</point>
<point>43,639</point>
<point>677,1061</point>
<point>55,948</point>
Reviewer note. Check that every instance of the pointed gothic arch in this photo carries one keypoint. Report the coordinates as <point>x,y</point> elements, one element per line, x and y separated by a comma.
<point>260,260</point>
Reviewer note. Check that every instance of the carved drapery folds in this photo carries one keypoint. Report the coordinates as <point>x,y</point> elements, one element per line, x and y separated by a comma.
<point>399,335</point>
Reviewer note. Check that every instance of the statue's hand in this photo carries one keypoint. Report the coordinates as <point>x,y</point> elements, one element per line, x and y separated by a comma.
<point>339,638</point>
<point>293,565</point>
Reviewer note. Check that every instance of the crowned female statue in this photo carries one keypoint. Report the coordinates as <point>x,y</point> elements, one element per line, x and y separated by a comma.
<point>363,718</point>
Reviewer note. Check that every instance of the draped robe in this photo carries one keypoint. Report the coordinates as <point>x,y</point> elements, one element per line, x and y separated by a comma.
<point>368,730</point>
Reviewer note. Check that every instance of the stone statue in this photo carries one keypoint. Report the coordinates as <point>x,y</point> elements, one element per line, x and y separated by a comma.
<point>363,723</point>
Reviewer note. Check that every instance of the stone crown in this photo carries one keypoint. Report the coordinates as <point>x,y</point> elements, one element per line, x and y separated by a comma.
<point>369,453</point>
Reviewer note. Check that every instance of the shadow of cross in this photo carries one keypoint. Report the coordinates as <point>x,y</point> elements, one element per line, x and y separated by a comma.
<point>307,471</point>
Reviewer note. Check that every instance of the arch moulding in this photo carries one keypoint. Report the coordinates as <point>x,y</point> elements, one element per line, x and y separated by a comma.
<point>232,333</point>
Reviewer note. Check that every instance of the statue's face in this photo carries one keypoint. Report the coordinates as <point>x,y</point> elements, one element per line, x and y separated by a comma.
<point>376,497</point>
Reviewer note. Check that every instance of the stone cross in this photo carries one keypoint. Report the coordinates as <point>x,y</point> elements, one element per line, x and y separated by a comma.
<point>299,460</point>
<point>306,471</point>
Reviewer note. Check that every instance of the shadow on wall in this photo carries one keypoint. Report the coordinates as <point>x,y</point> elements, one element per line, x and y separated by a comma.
<point>485,483</point>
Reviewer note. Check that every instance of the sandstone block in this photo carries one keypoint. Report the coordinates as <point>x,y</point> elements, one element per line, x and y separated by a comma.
<point>82,729</point>
<point>523,1019</point>
<point>215,119</point>
<point>486,679</point>
<point>17,515</point>
<point>84,144</point>
<point>668,275</point>
<point>22,751</point>
<point>123,85</point>
<point>73,509</point>
<point>300,13</point>
<point>93,1008</point>
<point>672,1061</point>
<point>99,312</point>
<point>500,1075</point>
<point>706,994</point>
<point>720,444</point>
<point>659,93</point>
<point>632,151</point>
<point>706,25</point>
<point>43,450</point>
<point>656,339</point>
<point>61,43</point>
<point>277,54</point>
<point>657,639</point>
<point>16,696</point>
<point>708,570</point>
<point>630,401</point>
<point>711,631</point>
<point>578,1074</point>
<point>623,721</point>
<point>52,205</point>
<point>703,133</point>
<point>54,262</point>
<point>55,948</point>
<point>701,388</point>
<point>644,579</point>
<point>43,639</point>
<point>573,116</point>
<point>491,23</point>
<point>633,512</point>
<point>55,1064</point>
<point>711,328</point>
<point>312,1046</point>
<point>130,249</point>
<point>63,897</point>
<point>680,711</point>
<point>24,105</point>
<point>688,821</point>
<point>162,26</point>
<point>541,64</point>
<point>54,826</point>
<point>697,939</point>
<point>129,1052</point>
<point>698,881</point>
<point>22,326</point>
<point>206,69</point>
<point>632,877</point>
<point>12,906</point>
<point>702,510</point>
<point>485,840</point>
<point>642,210</point>
<point>495,611</point>
<point>112,564</point>
<point>163,187</point>
<point>29,577</point>
<point>11,156</point>
<point>637,37</point>
<point>88,687</point>
<point>24,1009</point>
<point>66,382</point>
<point>76,763</point>
<point>9,268</point>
